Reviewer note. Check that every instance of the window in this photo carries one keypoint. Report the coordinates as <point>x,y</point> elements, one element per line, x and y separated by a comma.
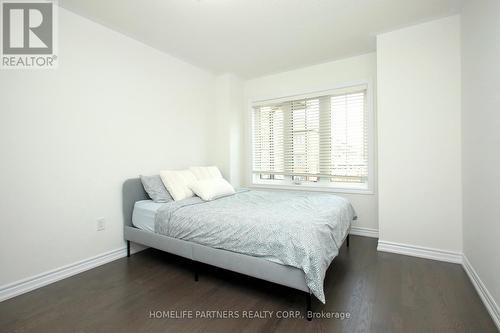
<point>320,140</point>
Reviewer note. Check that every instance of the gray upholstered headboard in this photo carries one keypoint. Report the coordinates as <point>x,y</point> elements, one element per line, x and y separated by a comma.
<point>132,191</point>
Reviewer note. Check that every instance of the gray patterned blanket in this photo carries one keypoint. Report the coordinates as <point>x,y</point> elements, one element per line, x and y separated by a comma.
<point>303,230</point>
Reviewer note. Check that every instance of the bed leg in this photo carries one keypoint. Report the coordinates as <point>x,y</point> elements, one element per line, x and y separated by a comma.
<point>347,240</point>
<point>195,271</point>
<point>128,248</point>
<point>308,307</point>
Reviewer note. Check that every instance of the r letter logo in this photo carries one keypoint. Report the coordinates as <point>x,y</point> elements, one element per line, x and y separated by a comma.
<point>28,34</point>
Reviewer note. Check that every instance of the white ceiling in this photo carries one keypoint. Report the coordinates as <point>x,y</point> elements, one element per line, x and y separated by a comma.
<point>256,37</point>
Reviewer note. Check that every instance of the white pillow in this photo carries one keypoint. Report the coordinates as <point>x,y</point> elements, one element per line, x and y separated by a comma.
<point>210,189</point>
<point>210,172</point>
<point>177,183</point>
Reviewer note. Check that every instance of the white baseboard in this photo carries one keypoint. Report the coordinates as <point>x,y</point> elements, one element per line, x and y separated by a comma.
<point>23,286</point>
<point>366,232</point>
<point>488,300</point>
<point>420,251</point>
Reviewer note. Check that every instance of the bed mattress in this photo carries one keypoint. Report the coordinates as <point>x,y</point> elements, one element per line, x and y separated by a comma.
<point>144,214</point>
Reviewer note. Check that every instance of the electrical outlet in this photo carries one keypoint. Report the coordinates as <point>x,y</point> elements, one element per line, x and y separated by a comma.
<point>101,224</point>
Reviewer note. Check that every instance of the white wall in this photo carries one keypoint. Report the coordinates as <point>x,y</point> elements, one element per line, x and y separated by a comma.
<point>481,141</point>
<point>418,71</point>
<point>310,79</point>
<point>226,147</point>
<point>113,109</point>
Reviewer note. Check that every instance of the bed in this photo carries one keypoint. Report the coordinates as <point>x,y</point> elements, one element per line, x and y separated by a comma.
<point>276,246</point>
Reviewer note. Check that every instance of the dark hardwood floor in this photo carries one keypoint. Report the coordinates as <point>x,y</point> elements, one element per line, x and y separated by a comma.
<point>382,292</point>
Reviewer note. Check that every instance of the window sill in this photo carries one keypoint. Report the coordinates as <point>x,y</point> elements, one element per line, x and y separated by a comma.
<point>311,189</point>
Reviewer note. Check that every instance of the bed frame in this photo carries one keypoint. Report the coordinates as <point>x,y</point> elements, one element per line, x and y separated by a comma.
<point>256,267</point>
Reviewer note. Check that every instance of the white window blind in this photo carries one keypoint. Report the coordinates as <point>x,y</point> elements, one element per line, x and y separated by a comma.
<point>318,140</point>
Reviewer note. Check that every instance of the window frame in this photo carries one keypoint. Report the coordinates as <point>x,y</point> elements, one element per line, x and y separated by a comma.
<point>320,186</point>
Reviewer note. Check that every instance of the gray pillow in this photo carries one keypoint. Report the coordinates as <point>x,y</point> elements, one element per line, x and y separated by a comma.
<point>155,188</point>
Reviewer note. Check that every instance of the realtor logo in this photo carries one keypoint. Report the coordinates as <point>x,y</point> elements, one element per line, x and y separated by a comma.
<point>28,32</point>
